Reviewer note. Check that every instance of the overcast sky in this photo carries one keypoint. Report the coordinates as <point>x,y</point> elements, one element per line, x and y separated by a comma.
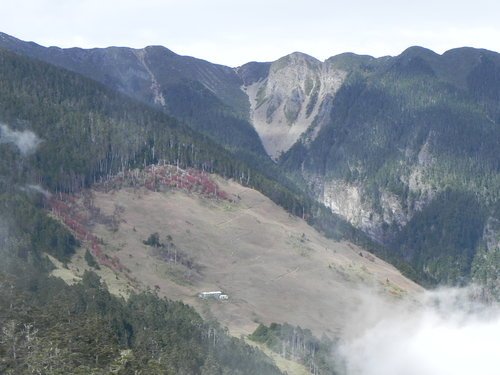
<point>233,32</point>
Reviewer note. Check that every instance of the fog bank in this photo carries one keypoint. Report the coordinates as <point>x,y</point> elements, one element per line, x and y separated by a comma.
<point>446,333</point>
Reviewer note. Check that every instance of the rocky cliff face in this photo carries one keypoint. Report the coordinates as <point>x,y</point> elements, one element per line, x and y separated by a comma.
<point>381,214</point>
<point>290,99</point>
<point>350,202</point>
<point>380,217</point>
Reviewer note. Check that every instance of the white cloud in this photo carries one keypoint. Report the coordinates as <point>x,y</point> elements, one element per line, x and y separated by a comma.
<point>447,334</point>
<point>26,141</point>
<point>37,189</point>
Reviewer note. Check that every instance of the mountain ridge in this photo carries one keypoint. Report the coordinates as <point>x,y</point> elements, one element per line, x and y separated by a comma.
<point>375,139</point>
<point>14,42</point>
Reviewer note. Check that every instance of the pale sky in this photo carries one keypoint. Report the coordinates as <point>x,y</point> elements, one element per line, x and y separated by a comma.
<point>233,32</point>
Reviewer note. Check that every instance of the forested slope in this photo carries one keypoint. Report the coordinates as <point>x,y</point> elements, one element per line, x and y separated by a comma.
<point>84,132</point>
<point>203,95</point>
<point>49,327</point>
<point>410,155</point>
<point>63,132</point>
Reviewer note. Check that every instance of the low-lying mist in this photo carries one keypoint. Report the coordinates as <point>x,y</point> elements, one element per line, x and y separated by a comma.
<point>444,333</point>
<point>36,189</point>
<point>26,141</point>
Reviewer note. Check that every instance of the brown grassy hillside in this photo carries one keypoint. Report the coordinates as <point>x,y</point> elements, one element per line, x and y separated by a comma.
<point>273,266</point>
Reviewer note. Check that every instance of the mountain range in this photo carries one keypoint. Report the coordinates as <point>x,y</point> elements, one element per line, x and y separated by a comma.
<point>403,148</point>
<point>145,174</point>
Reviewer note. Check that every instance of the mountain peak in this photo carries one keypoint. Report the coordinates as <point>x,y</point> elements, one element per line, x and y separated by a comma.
<point>469,53</point>
<point>297,58</point>
<point>159,49</point>
<point>418,51</point>
<point>301,55</point>
<point>348,60</point>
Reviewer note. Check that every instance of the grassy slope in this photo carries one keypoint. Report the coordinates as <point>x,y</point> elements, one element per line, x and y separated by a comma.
<point>273,266</point>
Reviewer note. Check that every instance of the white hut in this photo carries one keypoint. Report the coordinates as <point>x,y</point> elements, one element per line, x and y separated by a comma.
<point>215,295</point>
